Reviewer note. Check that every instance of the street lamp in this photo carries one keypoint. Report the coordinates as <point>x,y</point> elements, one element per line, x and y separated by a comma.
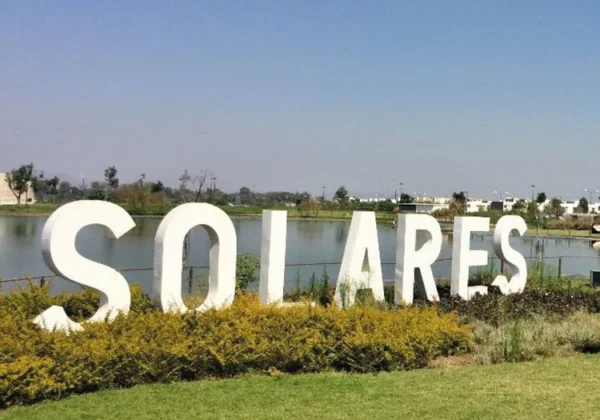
<point>532,192</point>
<point>591,191</point>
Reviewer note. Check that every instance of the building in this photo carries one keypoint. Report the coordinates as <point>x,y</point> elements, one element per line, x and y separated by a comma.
<point>422,207</point>
<point>569,206</point>
<point>475,204</point>
<point>8,198</point>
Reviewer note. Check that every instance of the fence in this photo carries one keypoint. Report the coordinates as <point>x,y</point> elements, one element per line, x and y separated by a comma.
<point>555,263</point>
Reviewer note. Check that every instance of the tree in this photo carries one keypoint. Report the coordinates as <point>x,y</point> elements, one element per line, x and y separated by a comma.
<point>460,196</point>
<point>386,206</point>
<point>554,208</point>
<point>460,200</point>
<point>52,186</point>
<point>187,180</point>
<point>139,197</point>
<point>199,181</point>
<point>95,194</point>
<point>456,207</point>
<point>142,179</point>
<point>246,195</point>
<point>38,185</point>
<point>247,267</point>
<point>341,194</point>
<point>541,198</point>
<point>405,198</point>
<point>533,211</point>
<point>520,206</point>
<point>157,187</point>
<point>110,175</point>
<point>583,206</point>
<point>66,191</point>
<point>19,180</point>
<point>184,180</point>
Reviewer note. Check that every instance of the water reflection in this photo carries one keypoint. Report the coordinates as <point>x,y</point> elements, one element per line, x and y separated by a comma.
<point>341,233</point>
<point>144,226</point>
<point>310,230</point>
<point>23,227</point>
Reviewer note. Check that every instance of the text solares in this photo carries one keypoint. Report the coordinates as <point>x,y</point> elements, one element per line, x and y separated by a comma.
<point>412,271</point>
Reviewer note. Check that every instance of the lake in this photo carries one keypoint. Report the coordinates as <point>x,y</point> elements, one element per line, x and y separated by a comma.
<point>313,242</point>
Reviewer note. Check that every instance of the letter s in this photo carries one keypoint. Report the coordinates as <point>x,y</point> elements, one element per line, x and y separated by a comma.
<point>515,262</point>
<point>61,256</point>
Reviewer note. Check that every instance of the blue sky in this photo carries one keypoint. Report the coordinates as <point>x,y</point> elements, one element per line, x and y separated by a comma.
<point>442,96</point>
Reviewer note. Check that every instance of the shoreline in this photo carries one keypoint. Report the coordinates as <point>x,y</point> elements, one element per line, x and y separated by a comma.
<point>382,218</point>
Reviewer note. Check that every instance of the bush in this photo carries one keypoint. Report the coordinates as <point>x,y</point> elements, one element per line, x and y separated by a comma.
<point>247,267</point>
<point>149,346</point>
<point>496,308</point>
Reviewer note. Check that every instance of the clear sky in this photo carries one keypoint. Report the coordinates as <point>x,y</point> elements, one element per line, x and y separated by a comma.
<point>439,95</point>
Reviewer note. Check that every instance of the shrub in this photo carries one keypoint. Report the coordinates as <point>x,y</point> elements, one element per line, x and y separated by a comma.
<point>247,267</point>
<point>149,346</point>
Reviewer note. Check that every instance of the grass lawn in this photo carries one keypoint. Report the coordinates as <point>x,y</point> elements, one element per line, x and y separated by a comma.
<point>532,231</point>
<point>555,388</point>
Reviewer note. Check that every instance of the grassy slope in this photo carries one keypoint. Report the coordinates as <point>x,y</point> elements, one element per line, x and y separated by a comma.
<point>564,388</point>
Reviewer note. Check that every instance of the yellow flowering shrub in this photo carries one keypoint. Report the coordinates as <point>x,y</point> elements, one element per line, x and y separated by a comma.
<point>148,345</point>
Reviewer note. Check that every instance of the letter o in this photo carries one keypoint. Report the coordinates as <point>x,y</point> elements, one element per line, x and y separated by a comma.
<point>168,253</point>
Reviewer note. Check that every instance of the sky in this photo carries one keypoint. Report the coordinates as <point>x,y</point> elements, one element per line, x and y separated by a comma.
<point>441,96</point>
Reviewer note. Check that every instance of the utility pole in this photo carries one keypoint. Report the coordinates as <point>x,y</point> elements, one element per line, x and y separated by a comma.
<point>323,194</point>
<point>532,192</point>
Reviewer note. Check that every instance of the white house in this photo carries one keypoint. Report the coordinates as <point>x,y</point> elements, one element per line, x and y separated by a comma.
<point>569,206</point>
<point>476,204</point>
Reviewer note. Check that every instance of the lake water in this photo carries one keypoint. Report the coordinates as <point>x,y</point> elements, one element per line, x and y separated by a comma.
<point>307,242</point>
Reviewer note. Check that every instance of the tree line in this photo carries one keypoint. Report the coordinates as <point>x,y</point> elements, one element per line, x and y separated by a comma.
<point>202,187</point>
<point>193,187</point>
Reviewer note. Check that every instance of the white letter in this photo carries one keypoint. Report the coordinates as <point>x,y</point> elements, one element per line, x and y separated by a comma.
<point>361,246</point>
<point>272,257</point>
<point>58,249</point>
<point>168,253</point>
<point>408,259</point>
<point>515,262</point>
<point>463,257</point>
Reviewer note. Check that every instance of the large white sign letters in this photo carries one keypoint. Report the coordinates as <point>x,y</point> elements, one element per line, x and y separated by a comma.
<point>360,268</point>
<point>60,255</point>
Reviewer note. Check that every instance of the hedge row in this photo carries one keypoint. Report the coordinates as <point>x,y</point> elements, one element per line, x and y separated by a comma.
<point>150,346</point>
<point>495,308</point>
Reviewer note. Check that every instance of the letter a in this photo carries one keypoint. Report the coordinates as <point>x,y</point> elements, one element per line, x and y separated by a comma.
<point>361,246</point>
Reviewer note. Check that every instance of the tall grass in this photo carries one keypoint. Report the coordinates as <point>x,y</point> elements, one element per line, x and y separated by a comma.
<point>539,336</point>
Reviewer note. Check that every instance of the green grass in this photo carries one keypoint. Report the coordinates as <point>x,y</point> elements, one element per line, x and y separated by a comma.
<point>553,388</point>
<point>36,209</point>
<point>561,232</point>
<point>39,209</point>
